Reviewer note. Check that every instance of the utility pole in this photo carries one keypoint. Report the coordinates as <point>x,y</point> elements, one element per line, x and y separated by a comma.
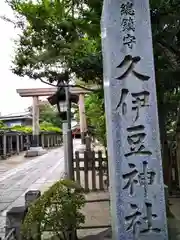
<point>69,136</point>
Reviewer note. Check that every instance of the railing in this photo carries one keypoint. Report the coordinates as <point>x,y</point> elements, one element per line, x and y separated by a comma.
<point>14,142</point>
<point>11,235</point>
<point>91,170</point>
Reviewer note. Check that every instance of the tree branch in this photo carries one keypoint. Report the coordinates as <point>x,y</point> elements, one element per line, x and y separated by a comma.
<point>77,85</point>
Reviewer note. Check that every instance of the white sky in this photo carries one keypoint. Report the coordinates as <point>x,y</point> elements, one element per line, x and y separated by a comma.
<point>10,101</point>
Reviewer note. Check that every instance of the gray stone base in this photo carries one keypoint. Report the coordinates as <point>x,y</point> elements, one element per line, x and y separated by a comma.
<point>35,151</point>
<point>103,235</point>
<point>173,230</point>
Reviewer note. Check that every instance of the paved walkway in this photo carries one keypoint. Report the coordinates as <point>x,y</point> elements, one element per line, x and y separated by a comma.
<point>35,174</point>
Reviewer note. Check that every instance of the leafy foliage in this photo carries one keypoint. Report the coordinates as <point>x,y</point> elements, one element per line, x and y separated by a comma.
<point>65,34</point>
<point>2,125</point>
<point>25,129</point>
<point>44,127</point>
<point>55,35</point>
<point>48,114</point>
<point>57,210</point>
<point>94,107</point>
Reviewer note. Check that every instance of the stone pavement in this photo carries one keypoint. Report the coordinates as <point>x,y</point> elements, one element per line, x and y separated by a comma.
<point>12,162</point>
<point>37,174</point>
<point>96,213</point>
<point>174,222</point>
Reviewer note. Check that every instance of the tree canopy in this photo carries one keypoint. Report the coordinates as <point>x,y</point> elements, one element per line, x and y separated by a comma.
<point>48,114</point>
<point>55,35</point>
<point>94,107</point>
<point>64,35</point>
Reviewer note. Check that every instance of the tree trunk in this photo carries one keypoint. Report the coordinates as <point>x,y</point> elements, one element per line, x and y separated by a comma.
<point>178,145</point>
<point>164,143</point>
<point>163,133</point>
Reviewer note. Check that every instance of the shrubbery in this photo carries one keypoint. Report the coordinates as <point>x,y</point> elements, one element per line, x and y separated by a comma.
<point>44,127</point>
<point>57,210</point>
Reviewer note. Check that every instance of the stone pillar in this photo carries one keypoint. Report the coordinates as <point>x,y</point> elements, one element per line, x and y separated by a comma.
<point>58,140</point>
<point>135,165</point>
<point>178,152</point>
<point>48,141</point>
<point>35,149</point>
<point>31,196</point>
<point>10,145</point>
<point>52,141</point>
<point>21,143</point>
<point>14,219</point>
<point>27,142</point>
<point>42,140</point>
<point>55,140</point>
<point>17,144</point>
<point>65,128</point>
<point>82,118</point>
<point>45,141</point>
<point>4,145</point>
<point>35,140</point>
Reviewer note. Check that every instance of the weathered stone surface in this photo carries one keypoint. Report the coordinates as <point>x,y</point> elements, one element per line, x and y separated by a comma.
<point>136,182</point>
<point>4,205</point>
<point>35,151</point>
<point>14,219</point>
<point>2,226</point>
<point>37,174</point>
<point>65,129</point>
<point>174,229</point>
<point>15,182</point>
<point>31,196</point>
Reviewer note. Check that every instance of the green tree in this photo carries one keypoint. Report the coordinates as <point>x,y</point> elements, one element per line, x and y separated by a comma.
<point>54,36</point>
<point>58,210</point>
<point>65,34</point>
<point>94,107</point>
<point>48,114</point>
<point>2,125</point>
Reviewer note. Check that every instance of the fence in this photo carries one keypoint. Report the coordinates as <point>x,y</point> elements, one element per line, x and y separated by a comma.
<point>13,142</point>
<point>91,171</point>
<point>173,178</point>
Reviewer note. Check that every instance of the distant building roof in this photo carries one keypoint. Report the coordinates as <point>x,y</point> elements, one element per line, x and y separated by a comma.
<point>14,116</point>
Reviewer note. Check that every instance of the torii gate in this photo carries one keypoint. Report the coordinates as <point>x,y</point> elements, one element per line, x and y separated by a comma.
<point>35,93</point>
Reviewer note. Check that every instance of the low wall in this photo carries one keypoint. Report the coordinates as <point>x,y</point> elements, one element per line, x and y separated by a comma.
<point>12,142</point>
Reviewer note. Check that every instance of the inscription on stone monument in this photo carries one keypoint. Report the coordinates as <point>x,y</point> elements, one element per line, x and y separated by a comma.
<point>136,179</point>
<point>128,23</point>
<point>131,61</point>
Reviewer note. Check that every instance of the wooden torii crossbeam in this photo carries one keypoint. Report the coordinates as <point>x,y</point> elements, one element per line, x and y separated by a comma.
<point>32,92</point>
<point>35,93</point>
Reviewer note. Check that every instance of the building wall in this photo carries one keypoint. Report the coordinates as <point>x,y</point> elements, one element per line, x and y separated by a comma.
<point>27,122</point>
<point>18,122</point>
<point>11,123</point>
